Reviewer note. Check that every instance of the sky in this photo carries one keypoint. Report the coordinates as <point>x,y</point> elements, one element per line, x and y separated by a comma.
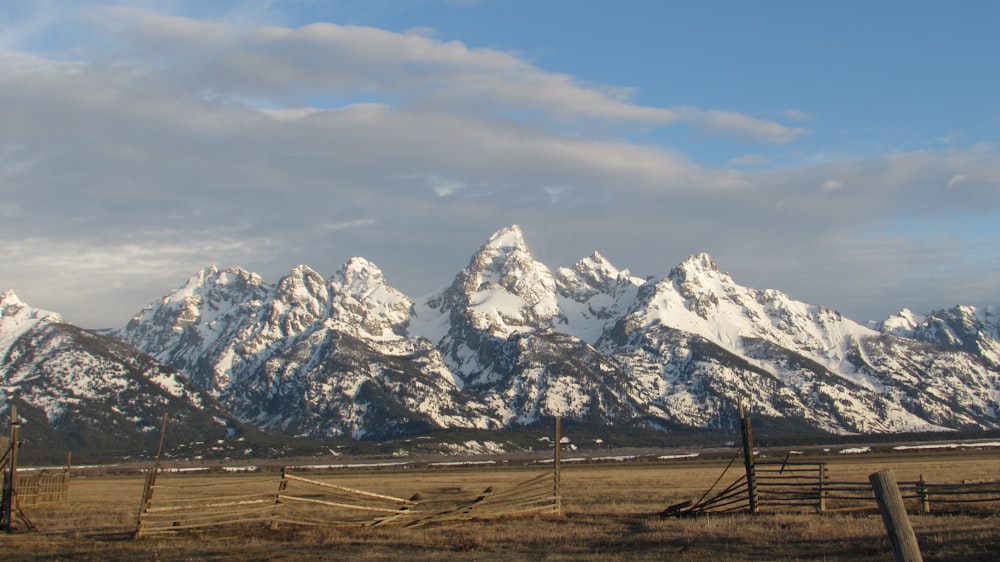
<point>846,153</point>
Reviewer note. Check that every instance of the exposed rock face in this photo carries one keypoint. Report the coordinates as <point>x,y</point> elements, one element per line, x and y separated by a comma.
<point>509,342</point>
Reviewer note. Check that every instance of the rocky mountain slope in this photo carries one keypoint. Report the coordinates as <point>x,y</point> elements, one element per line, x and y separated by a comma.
<point>510,342</point>
<point>77,390</point>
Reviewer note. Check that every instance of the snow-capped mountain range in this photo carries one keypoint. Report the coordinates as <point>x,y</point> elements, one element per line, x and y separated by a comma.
<point>510,342</point>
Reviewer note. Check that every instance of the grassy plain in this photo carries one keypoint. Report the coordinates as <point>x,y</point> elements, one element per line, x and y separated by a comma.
<point>610,512</point>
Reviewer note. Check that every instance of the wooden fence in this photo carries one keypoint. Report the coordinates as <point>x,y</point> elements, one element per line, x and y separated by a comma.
<point>43,489</point>
<point>535,495</point>
<point>808,486</point>
<point>301,501</point>
<point>181,503</point>
<point>176,504</point>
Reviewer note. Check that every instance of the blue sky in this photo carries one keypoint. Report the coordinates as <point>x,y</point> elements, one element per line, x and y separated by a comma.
<point>843,152</point>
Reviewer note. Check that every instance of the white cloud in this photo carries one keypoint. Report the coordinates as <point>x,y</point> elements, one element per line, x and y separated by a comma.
<point>796,115</point>
<point>289,65</point>
<point>182,143</point>
<point>956,180</point>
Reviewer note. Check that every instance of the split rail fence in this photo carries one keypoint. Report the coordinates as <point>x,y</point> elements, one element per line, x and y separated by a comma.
<point>788,485</point>
<point>809,486</point>
<point>183,503</point>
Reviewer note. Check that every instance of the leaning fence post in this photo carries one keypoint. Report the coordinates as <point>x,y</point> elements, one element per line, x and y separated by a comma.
<point>897,524</point>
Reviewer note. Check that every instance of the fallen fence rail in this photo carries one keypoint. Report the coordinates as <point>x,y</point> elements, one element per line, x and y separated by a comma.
<point>309,502</point>
<point>535,495</point>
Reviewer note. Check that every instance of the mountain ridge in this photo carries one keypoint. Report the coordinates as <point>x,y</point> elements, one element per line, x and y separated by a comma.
<point>510,342</point>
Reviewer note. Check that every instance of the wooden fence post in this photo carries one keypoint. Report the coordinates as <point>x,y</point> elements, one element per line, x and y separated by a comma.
<point>925,496</point>
<point>556,461</point>
<point>746,428</point>
<point>897,524</point>
<point>282,486</point>
<point>822,492</point>
<point>147,490</point>
<point>7,501</point>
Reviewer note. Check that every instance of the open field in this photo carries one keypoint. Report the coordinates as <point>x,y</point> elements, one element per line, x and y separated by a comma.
<point>610,512</point>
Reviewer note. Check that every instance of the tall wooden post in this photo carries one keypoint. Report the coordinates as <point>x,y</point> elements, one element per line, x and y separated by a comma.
<point>925,496</point>
<point>746,428</point>
<point>897,524</point>
<point>556,461</point>
<point>282,486</point>
<point>147,491</point>
<point>7,502</point>
<point>822,491</point>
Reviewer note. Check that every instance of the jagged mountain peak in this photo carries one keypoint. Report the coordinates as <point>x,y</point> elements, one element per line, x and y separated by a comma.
<point>697,298</point>
<point>595,272</point>
<point>12,306</point>
<point>365,304</point>
<point>206,294</point>
<point>507,237</point>
<point>504,260</point>
<point>360,276</point>
<point>596,264</point>
<point>969,328</point>
<point>9,298</point>
<point>504,268</point>
<point>18,318</point>
<point>214,276</point>
<point>698,264</point>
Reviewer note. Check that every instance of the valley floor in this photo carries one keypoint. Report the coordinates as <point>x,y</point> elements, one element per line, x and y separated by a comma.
<point>610,512</point>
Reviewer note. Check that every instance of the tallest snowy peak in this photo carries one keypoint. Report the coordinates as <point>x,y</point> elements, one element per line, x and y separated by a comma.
<point>505,260</point>
<point>510,237</point>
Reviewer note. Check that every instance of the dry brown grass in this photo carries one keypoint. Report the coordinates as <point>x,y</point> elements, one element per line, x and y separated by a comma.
<point>610,513</point>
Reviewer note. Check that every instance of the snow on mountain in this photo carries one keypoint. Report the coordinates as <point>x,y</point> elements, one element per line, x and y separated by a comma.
<point>968,328</point>
<point>308,355</point>
<point>76,388</point>
<point>592,295</point>
<point>509,342</point>
<point>697,342</point>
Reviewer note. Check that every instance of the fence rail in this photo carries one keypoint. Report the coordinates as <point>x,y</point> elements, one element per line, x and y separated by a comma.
<point>785,486</point>
<point>178,504</point>
<point>535,495</point>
